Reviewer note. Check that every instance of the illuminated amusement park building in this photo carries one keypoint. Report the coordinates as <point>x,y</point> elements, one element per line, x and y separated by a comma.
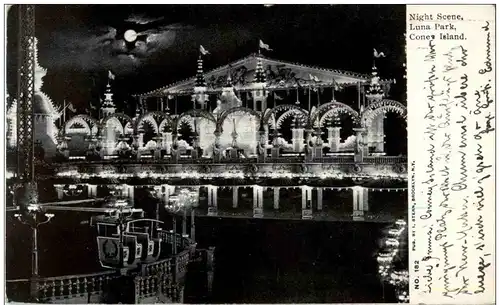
<point>254,121</point>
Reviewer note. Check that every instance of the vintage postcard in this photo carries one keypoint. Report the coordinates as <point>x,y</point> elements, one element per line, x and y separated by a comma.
<point>263,153</point>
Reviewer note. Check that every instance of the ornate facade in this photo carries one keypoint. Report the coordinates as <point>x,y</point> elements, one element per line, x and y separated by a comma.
<point>254,108</point>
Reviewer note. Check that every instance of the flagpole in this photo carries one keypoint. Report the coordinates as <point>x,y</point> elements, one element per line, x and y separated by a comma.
<point>359,95</point>
<point>333,89</point>
<point>64,111</point>
<point>309,99</point>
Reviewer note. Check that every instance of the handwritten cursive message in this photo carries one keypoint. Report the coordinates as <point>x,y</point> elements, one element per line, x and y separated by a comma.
<point>451,127</point>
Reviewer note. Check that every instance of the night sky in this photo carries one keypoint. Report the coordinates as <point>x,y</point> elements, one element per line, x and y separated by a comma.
<point>78,44</point>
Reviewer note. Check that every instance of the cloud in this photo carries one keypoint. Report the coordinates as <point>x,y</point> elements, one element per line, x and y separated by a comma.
<point>142,19</point>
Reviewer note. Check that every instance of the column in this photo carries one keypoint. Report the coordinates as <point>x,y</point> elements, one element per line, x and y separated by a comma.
<point>276,198</point>
<point>380,137</point>
<point>140,140</point>
<point>217,153</point>
<point>193,227</point>
<point>255,197</point>
<point>235,196</point>
<point>214,197</point>
<point>165,194</point>
<point>212,200</point>
<point>167,141</point>
<point>355,199</point>
<point>258,207</point>
<point>308,135</point>
<point>320,198</point>
<point>334,138</point>
<point>364,200</point>
<point>196,203</point>
<point>92,190</point>
<point>304,197</point>
<point>131,194</point>
<point>359,149</point>
<point>306,202</point>
<point>357,204</point>
<point>59,190</point>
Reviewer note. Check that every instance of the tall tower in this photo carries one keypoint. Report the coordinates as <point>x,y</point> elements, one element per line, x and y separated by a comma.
<point>375,91</point>
<point>25,93</point>
<point>259,92</point>
<point>199,95</point>
<point>375,132</point>
<point>108,105</point>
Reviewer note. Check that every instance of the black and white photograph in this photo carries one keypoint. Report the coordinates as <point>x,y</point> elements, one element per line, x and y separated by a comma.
<point>206,154</point>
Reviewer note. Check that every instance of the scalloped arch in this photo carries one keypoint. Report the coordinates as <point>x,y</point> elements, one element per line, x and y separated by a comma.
<point>332,108</point>
<point>284,107</point>
<point>193,113</point>
<point>226,113</point>
<point>117,116</point>
<point>155,118</point>
<point>302,117</point>
<point>380,107</point>
<point>89,123</point>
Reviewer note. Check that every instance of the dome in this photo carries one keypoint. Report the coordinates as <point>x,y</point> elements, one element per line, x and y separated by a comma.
<point>41,105</point>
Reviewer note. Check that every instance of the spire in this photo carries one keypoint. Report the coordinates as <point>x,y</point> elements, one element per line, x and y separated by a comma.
<point>375,91</point>
<point>200,78</point>
<point>260,76</point>
<point>229,81</point>
<point>108,106</point>
<point>108,97</point>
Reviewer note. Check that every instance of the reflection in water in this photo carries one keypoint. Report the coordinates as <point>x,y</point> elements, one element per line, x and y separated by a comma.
<point>270,261</point>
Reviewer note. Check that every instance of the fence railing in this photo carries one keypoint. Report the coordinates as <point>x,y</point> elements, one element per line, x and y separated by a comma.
<point>156,276</point>
<point>59,287</point>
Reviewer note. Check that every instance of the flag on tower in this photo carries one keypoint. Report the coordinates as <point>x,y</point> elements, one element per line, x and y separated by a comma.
<point>376,54</point>
<point>264,46</point>
<point>111,75</point>
<point>314,78</point>
<point>71,107</point>
<point>203,51</point>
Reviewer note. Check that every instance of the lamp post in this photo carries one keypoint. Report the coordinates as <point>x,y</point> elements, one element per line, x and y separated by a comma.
<point>184,200</point>
<point>173,205</point>
<point>34,216</point>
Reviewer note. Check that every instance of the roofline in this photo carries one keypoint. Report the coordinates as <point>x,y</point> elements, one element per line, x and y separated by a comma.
<point>157,93</point>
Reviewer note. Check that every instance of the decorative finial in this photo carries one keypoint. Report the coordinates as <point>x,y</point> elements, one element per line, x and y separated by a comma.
<point>229,81</point>
<point>200,78</point>
<point>260,76</point>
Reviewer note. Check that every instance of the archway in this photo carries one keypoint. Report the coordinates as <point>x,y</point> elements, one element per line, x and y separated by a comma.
<point>78,128</point>
<point>156,119</point>
<point>385,122</point>
<point>245,122</point>
<point>201,120</point>
<point>282,118</point>
<point>112,128</point>
<point>336,122</point>
<point>285,123</point>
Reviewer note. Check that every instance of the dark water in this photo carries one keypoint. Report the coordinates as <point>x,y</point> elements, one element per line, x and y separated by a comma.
<point>257,261</point>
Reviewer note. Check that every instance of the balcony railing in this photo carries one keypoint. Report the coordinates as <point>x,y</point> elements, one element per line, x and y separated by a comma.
<point>343,159</point>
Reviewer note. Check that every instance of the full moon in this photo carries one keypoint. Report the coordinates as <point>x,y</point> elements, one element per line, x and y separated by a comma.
<point>130,35</point>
